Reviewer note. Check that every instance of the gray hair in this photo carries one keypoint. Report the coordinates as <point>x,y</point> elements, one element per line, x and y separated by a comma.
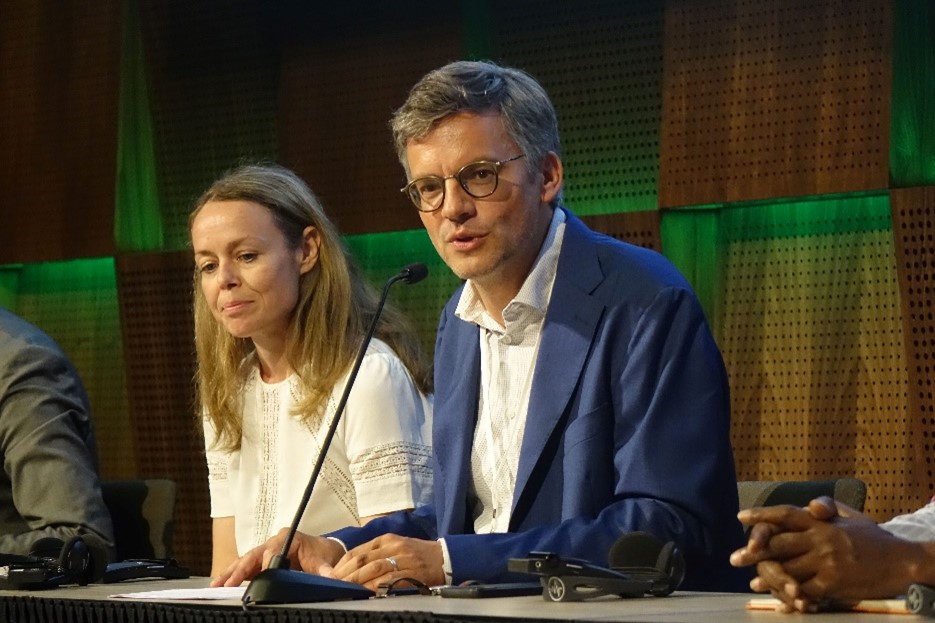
<point>481,87</point>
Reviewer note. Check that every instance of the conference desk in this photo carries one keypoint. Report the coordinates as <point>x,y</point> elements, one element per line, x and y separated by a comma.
<point>94,604</point>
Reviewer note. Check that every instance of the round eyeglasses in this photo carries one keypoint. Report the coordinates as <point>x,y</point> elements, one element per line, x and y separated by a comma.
<point>478,179</point>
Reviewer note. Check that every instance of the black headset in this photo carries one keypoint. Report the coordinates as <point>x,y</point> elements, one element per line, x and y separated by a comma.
<point>640,555</point>
<point>639,564</point>
<point>52,563</point>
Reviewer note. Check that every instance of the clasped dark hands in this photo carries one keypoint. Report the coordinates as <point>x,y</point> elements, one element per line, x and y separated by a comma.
<point>823,555</point>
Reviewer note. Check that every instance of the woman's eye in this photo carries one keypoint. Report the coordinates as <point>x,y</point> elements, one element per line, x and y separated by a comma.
<point>207,267</point>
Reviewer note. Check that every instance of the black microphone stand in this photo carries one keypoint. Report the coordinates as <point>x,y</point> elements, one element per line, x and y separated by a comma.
<point>280,584</point>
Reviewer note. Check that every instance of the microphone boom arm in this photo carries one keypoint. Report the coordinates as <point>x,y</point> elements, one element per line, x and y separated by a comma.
<point>410,274</point>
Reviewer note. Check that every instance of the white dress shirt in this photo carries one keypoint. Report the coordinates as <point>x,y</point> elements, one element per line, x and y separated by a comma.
<point>918,526</point>
<point>507,359</point>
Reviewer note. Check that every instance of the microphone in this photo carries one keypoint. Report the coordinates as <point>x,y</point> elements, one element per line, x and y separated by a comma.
<point>278,583</point>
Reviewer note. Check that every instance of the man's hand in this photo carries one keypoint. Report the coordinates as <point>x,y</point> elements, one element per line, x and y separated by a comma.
<point>826,551</point>
<point>313,554</point>
<point>766,523</point>
<point>370,563</point>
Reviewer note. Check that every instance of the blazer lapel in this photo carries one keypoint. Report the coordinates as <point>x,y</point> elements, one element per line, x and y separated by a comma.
<point>455,416</point>
<point>569,328</point>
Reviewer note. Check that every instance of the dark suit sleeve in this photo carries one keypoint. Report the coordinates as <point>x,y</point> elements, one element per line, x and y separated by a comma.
<point>51,486</point>
<point>417,524</point>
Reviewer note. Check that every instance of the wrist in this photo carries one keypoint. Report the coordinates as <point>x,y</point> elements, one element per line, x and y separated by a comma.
<point>920,565</point>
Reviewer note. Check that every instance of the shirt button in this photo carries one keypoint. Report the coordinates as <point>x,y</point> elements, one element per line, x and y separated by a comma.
<point>507,340</point>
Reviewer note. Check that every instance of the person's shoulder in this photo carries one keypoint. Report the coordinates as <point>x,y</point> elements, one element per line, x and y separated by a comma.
<point>21,339</point>
<point>625,265</point>
<point>381,360</point>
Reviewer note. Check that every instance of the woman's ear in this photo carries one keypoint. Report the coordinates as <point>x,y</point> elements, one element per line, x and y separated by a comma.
<point>311,242</point>
<point>552,176</point>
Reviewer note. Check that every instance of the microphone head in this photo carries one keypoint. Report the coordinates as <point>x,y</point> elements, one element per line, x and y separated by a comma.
<point>415,272</point>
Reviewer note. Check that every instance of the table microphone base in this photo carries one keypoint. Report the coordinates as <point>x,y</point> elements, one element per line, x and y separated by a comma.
<point>288,586</point>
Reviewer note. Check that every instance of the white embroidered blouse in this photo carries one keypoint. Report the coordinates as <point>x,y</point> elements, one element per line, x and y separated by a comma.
<point>379,461</point>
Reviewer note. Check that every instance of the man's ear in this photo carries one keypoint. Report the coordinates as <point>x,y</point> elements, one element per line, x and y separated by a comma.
<point>311,243</point>
<point>552,176</point>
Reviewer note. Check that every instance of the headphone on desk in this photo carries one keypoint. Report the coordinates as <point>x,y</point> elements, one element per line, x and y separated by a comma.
<point>639,564</point>
<point>641,555</point>
<point>52,563</point>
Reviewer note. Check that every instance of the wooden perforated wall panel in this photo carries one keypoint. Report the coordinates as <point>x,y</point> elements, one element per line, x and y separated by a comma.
<point>639,228</point>
<point>774,98</point>
<point>601,63</point>
<point>343,73</point>
<point>58,129</point>
<point>812,339</point>
<point>914,235</point>
<point>155,291</point>
<point>213,76</point>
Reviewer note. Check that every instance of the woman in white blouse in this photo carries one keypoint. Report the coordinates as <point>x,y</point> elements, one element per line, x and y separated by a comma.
<point>281,314</point>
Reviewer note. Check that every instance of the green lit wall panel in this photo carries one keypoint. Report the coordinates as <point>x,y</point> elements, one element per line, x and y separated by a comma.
<point>912,137</point>
<point>383,255</point>
<point>75,302</point>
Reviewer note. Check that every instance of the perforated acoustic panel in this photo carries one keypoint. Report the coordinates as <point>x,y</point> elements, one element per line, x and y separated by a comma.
<point>344,72</point>
<point>58,131</point>
<point>383,255</point>
<point>156,316</point>
<point>214,78</point>
<point>639,228</point>
<point>601,63</point>
<point>812,340</point>
<point>914,235</point>
<point>75,302</point>
<point>774,98</point>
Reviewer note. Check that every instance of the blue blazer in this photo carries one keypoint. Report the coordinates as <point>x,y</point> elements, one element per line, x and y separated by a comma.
<point>627,429</point>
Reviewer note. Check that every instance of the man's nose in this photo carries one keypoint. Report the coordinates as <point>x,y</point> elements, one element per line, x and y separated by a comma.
<point>457,204</point>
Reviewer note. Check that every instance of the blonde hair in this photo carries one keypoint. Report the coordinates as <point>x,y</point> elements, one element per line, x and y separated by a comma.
<point>335,307</point>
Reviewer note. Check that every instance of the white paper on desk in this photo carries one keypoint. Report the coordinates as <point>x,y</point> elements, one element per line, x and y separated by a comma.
<point>875,606</point>
<point>221,592</point>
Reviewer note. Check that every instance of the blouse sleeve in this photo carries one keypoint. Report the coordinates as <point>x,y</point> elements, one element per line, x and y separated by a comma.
<point>218,464</point>
<point>387,431</point>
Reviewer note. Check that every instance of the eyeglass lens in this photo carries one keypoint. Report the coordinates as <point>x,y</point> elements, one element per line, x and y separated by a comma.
<point>478,179</point>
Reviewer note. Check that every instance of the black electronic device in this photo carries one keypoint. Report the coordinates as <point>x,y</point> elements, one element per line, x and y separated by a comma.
<point>53,563</point>
<point>138,569</point>
<point>641,555</point>
<point>640,565</point>
<point>280,584</point>
<point>920,599</point>
<point>570,579</point>
<point>475,591</point>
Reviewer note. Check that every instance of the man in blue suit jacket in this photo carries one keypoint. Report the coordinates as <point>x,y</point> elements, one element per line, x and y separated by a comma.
<point>579,393</point>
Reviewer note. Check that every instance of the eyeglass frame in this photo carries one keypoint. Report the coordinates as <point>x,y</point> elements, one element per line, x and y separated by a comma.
<point>457,176</point>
